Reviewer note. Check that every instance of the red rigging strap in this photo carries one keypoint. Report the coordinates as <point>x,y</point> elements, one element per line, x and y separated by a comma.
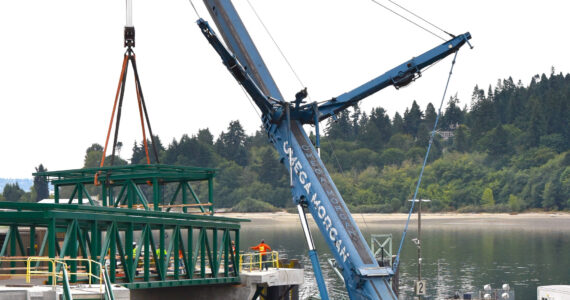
<point>123,69</point>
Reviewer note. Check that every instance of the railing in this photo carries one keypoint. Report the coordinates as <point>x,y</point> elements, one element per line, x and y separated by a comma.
<point>256,261</point>
<point>54,268</point>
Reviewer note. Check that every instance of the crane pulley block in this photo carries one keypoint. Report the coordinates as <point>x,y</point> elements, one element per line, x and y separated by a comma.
<point>129,36</point>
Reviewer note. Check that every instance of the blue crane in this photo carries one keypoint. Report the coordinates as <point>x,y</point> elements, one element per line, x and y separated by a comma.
<point>311,185</point>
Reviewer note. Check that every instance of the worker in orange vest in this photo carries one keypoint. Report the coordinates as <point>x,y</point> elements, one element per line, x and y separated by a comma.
<point>263,248</point>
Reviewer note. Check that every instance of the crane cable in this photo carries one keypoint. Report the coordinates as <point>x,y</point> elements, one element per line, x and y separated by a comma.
<point>195,10</point>
<point>415,15</point>
<point>397,260</point>
<point>278,48</point>
<point>418,25</point>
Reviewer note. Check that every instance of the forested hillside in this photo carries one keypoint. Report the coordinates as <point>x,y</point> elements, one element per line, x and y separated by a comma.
<point>505,149</point>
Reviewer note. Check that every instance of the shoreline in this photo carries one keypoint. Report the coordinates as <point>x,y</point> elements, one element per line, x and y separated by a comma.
<point>533,220</point>
<point>402,216</point>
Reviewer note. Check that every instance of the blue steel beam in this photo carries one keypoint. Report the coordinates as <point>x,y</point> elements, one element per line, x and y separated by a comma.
<point>399,76</point>
<point>240,43</point>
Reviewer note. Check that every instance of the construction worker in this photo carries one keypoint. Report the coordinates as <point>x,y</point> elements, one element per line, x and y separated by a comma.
<point>135,257</point>
<point>263,248</point>
<point>231,264</point>
<point>181,261</point>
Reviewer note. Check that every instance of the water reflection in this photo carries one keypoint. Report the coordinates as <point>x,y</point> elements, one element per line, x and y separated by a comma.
<point>459,255</point>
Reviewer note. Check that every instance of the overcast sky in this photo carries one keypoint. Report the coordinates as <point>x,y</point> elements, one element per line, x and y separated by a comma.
<point>60,62</point>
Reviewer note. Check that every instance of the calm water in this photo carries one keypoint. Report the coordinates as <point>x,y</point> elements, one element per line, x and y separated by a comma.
<point>458,255</point>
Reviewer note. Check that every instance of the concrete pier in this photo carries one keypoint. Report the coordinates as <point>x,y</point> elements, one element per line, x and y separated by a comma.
<point>46,292</point>
<point>275,282</point>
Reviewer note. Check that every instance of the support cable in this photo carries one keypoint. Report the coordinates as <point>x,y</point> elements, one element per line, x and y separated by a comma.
<point>415,15</point>
<point>277,46</point>
<point>250,101</point>
<point>401,16</point>
<point>397,260</point>
<point>195,10</point>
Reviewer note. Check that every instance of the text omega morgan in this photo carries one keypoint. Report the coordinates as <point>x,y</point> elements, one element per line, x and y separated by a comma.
<point>321,210</point>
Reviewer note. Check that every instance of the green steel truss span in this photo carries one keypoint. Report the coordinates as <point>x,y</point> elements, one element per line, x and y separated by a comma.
<point>142,243</point>
<point>128,186</point>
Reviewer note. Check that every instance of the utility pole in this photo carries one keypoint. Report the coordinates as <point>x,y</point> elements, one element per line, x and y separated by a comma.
<point>420,285</point>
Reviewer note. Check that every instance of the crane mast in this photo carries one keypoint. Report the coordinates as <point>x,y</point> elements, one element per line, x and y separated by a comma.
<point>311,185</point>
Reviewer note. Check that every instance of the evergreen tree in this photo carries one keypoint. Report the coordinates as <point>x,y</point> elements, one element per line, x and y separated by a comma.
<point>430,116</point>
<point>139,153</point>
<point>453,115</point>
<point>40,184</point>
<point>537,122</point>
<point>259,139</point>
<point>205,137</point>
<point>12,192</point>
<point>461,139</point>
<point>231,145</point>
<point>377,131</point>
<point>412,119</point>
<point>270,170</point>
<point>355,118</point>
<point>189,151</point>
<point>482,115</point>
<point>341,128</point>
<point>397,124</point>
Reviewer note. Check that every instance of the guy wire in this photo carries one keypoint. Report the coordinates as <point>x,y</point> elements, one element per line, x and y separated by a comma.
<point>415,15</point>
<point>401,16</point>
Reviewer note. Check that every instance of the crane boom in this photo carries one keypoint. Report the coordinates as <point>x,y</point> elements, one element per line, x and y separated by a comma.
<point>311,184</point>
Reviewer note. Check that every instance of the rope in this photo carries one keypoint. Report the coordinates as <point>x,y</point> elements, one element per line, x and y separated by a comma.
<point>277,46</point>
<point>250,101</point>
<point>397,261</point>
<point>194,7</point>
<point>418,25</point>
<point>415,15</point>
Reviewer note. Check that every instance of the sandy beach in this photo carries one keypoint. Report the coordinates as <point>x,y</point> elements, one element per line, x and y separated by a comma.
<point>533,220</point>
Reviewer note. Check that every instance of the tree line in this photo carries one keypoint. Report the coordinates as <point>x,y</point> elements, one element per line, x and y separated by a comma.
<point>12,192</point>
<point>508,149</point>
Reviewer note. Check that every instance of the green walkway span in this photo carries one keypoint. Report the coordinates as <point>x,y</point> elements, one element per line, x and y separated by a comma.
<point>145,224</point>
